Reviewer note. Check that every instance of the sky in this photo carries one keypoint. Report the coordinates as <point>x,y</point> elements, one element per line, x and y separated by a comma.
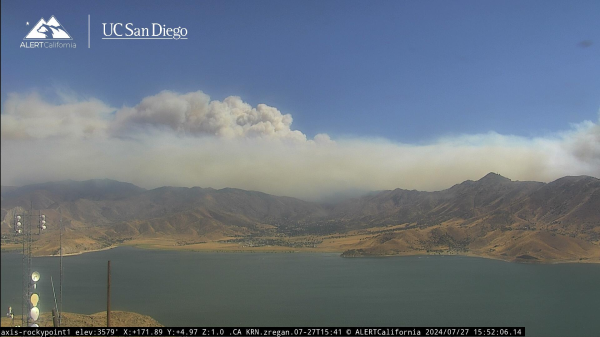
<point>310,99</point>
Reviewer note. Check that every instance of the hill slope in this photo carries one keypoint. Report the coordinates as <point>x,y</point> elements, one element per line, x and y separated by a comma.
<point>493,217</point>
<point>117,319</point>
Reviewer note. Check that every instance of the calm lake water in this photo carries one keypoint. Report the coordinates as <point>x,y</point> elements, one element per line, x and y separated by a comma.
<point>235,289</point>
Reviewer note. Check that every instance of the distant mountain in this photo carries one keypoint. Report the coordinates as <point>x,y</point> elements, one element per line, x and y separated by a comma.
<point>131,211</point>
<point>468,200</point>
<point>70,190</point>
<point>493,216</point>
<point>569,201</point>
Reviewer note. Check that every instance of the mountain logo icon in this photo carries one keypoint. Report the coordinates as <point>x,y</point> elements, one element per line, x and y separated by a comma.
<point>48,30</point>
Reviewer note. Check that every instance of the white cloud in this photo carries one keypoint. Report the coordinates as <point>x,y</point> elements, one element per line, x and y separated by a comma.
<point>189,140</point>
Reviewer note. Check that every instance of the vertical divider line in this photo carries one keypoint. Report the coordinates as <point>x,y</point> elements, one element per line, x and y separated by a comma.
<point>89,31</point>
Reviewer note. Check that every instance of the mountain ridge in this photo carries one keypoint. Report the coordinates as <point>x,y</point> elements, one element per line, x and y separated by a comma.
<point>493,216</point>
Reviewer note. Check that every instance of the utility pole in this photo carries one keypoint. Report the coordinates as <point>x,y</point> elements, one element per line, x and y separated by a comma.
<point>61,270</point>
<point>108,298</point>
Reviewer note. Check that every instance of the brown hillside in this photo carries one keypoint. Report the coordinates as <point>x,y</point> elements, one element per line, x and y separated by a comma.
<point>494,217</point>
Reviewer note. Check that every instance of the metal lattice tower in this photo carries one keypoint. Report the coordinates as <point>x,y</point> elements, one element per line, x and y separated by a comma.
<point>23,224</point>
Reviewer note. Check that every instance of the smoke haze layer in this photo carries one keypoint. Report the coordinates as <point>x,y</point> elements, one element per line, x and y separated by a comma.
<point>190,140</point>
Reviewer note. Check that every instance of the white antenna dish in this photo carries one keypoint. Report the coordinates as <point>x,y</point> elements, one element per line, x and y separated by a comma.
<point>34,313</point>
<point>43,226</point>
<point>18,217</point>
<point>34,325</point>
<point>18,223</point>
<point>35,298</point>
<point>43,217</point>
<point>35,276</point>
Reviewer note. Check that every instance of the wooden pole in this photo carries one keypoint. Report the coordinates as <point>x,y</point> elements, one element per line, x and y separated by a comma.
<point>60,309</point>
<point>108,298</point>
<point>55,318</point>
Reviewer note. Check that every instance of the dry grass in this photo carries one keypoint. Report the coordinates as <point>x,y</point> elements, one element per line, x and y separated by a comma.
<point>118,319</point>
<point>541,245</point>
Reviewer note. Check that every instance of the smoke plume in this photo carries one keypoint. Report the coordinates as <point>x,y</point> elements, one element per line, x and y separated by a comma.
<point>190,140</point>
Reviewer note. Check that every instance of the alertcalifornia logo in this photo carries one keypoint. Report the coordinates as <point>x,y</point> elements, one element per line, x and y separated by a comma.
<point>51,34</point>
<point>48,34</point>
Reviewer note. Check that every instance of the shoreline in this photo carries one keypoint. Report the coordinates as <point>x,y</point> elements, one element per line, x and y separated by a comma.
<point>282,251</point>
<point>585,261</point>
<point>230,250</point>
<point>82,252</point>
<point>18,250</point>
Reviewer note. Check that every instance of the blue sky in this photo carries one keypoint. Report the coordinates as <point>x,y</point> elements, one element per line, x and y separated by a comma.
<point>383,94</point>
<point>409,71</point>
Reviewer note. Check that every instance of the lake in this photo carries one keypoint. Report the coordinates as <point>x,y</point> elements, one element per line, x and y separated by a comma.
<point>259,289</point>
